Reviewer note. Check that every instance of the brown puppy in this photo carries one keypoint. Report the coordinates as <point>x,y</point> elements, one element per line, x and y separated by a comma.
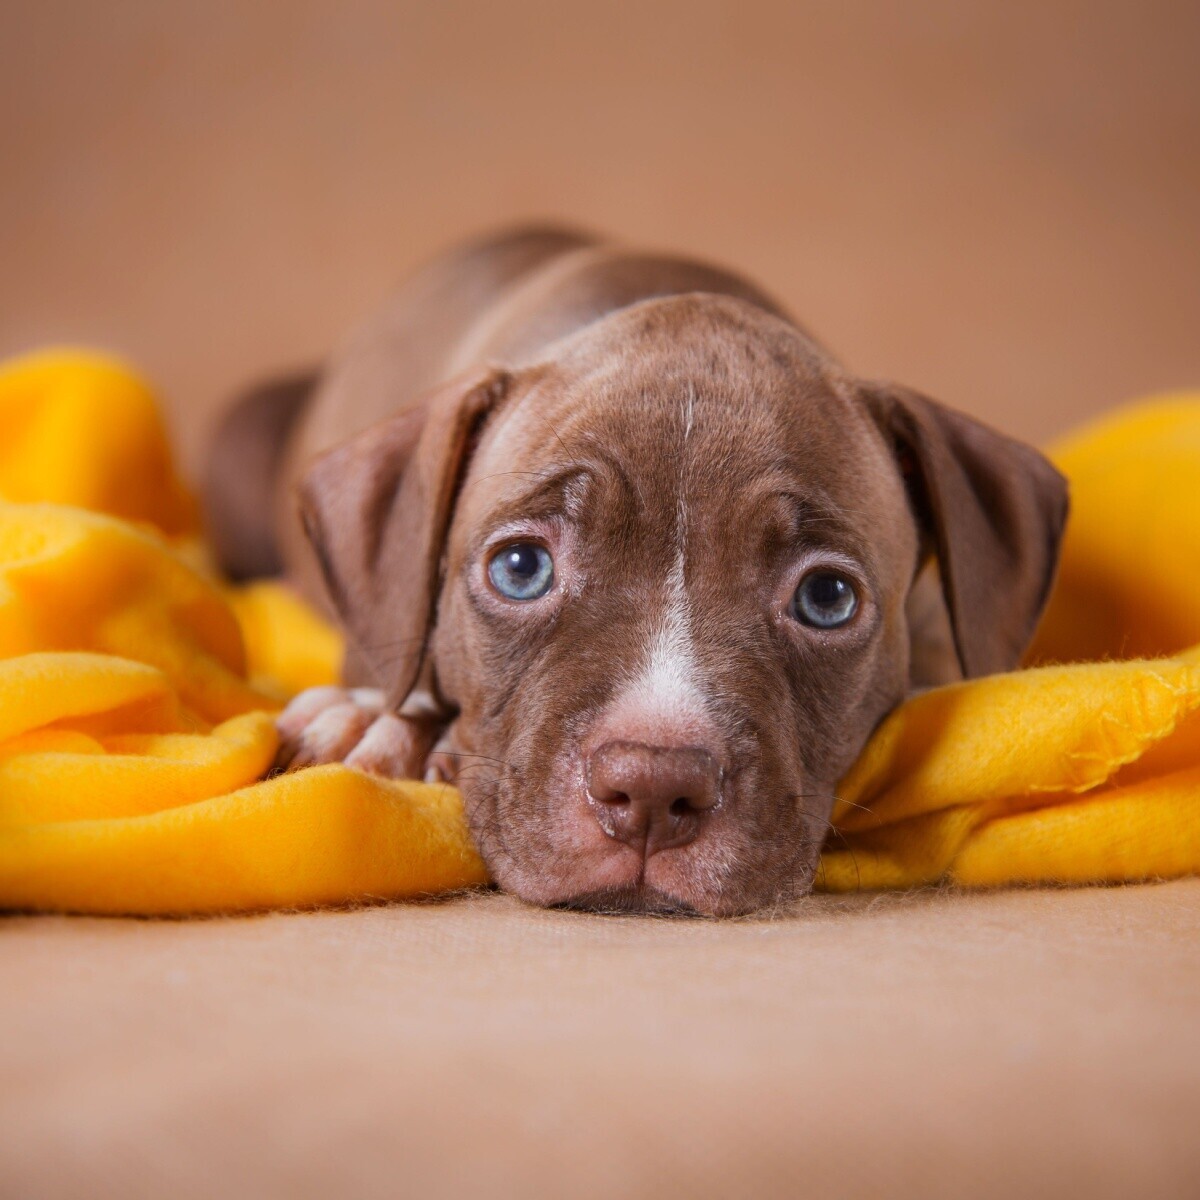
<point>631,560</point>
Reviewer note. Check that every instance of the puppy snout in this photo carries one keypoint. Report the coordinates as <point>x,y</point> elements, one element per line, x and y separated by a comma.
<point>652,797</point>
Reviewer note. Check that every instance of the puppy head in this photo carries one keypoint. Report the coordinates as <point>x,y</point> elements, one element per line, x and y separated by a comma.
<point>659,582</point>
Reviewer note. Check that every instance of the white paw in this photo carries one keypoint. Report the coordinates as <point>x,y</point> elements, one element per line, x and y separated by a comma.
<point>351,726</point>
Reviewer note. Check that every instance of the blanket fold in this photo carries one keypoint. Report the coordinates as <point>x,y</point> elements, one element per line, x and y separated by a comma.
<point>137,694</point>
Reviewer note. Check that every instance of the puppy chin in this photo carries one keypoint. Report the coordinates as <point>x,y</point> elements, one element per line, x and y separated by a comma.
<point>638,898</point>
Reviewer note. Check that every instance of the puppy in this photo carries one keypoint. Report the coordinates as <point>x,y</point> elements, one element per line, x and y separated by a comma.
<point>624,554</point>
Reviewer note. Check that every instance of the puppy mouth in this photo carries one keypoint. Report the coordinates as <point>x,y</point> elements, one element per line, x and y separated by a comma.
<point>558,855</point>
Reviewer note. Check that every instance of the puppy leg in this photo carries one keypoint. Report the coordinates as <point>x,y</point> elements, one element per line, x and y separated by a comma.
<point>352,726</point>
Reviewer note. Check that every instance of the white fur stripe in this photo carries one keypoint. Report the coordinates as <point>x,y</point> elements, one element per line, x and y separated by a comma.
<point>670,685</point>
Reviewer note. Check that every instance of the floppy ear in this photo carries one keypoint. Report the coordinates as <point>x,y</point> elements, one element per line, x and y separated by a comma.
<point>995,510</point>
<point>377,509</point>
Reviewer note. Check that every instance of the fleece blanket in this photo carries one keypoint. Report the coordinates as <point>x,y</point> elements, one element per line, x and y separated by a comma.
<point>137,693</point>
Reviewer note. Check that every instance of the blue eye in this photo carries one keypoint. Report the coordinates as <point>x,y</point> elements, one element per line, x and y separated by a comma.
<point>825,599</point>
<point>522,571</point>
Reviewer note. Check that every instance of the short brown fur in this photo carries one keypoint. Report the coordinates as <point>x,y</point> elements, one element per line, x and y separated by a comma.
<point>686,453</point>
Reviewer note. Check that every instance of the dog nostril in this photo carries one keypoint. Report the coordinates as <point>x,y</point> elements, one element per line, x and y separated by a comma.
<point>653,797</point>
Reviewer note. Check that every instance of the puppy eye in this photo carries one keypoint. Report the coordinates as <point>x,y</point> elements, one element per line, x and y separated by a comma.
<point>825,599</point>
<point>522,571</point>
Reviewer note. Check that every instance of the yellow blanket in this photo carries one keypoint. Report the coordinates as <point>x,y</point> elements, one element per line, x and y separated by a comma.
<point>137,692</point>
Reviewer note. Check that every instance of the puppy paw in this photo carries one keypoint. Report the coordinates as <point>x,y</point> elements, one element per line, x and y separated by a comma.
<point>351,726</point>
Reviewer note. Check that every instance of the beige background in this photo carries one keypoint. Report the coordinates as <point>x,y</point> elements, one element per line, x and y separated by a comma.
<point>995,201</point>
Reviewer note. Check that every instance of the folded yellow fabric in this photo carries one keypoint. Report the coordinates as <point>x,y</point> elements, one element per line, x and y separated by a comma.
<point>85,430</point>
<point>1084,773</point>
<point>136,696</point>
<point>1127,586</point>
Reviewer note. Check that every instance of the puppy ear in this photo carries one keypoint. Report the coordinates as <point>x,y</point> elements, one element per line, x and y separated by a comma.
<point>995,510</point>
<point>377,509</point>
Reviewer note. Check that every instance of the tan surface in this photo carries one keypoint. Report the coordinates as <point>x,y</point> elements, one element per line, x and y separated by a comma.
<point>995,202</point>
<point>1022,1044</point>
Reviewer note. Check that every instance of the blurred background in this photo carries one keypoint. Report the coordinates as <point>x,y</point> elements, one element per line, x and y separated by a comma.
<point>996,202</point>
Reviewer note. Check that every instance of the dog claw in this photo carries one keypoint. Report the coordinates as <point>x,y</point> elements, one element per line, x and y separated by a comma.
<point>392,746</point>
<point>351,726</point>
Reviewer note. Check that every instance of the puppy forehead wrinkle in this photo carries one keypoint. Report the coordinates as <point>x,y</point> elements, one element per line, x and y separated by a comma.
<point>812,515</point>
<point>553,491</point>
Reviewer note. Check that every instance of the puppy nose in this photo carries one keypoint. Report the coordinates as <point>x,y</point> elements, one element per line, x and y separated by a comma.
<point>652,796</point>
